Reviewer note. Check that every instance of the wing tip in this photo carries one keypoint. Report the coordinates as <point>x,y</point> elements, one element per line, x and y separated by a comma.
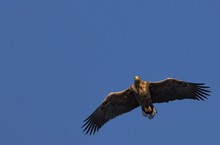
<point>90,127</point>
<point>201,91</point>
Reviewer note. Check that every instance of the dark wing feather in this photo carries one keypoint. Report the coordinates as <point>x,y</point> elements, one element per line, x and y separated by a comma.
<point>114,105</point>
<point>172,89</point>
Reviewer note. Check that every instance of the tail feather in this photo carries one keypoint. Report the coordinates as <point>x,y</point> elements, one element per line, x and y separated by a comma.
<point>150,115</point>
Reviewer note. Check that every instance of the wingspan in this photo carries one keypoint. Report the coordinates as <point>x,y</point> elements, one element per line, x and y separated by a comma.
<point>115,104</point>
<point>172,89</point>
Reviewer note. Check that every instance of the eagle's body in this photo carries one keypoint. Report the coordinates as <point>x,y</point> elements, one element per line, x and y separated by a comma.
<point>144,94</point>
<point>143,97</point>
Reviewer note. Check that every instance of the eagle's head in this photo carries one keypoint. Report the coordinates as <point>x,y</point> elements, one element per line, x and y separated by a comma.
<point>137,79</point>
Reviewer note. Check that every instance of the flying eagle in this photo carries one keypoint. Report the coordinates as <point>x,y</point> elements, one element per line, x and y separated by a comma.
<point>143,94</point>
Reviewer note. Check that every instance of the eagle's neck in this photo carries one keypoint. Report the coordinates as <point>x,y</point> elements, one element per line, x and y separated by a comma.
<point>137,83</point>
<point>137,86</point>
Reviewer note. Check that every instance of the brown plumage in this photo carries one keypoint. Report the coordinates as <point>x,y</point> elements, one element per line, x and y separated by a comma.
<point>143,94</point>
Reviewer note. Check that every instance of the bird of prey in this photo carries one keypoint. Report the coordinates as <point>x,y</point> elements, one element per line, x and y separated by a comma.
<point>143,94</point>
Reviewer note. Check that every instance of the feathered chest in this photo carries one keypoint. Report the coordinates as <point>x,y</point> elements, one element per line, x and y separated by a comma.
<point>142,88</point>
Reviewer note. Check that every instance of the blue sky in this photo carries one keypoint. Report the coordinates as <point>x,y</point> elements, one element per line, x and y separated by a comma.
<point>59,60</point>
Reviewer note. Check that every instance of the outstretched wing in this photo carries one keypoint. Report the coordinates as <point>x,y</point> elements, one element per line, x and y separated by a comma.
<point>114,105</point>
<point>172,89</point>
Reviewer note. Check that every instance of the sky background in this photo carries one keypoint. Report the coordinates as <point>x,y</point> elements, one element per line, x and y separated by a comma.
<point>60,59</point>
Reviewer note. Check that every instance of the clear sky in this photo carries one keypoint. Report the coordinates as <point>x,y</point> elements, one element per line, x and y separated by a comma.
<point>59,60</point>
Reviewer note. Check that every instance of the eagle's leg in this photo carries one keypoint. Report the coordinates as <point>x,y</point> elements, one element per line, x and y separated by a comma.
<point>148,108</point>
